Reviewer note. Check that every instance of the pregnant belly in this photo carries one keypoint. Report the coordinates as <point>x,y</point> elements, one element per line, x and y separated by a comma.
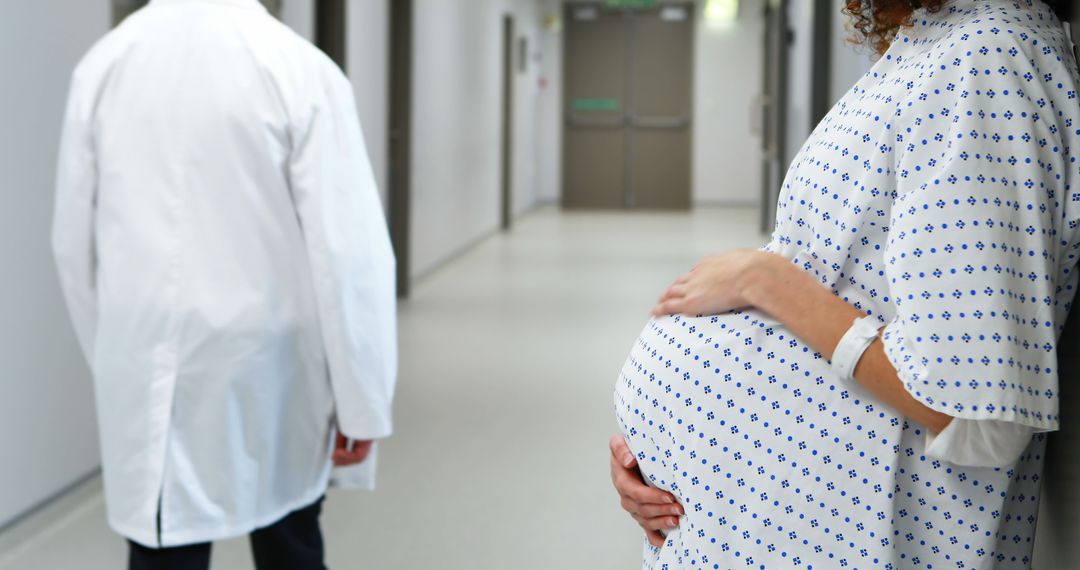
<point>714,405</point>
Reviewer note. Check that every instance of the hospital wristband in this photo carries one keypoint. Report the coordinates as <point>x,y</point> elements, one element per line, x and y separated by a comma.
<point>852,345</point>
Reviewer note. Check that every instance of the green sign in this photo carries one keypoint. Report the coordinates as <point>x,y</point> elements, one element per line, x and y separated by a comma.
<point>630,3</point>
<point>596,104</point>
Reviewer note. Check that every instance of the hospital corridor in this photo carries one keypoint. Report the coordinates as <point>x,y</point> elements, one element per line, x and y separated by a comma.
<point>502,422</point>
<point>351,284</point>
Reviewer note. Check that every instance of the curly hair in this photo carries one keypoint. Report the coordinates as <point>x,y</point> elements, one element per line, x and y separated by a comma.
<point>876,22</point>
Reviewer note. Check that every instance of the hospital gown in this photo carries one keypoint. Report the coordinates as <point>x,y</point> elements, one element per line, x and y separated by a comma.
<point>940,196</point>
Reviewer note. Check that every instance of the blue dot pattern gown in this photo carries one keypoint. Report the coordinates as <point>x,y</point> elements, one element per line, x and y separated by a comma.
<point>939,195</point>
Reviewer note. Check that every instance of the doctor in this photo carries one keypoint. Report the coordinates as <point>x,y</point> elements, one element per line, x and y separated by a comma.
<point>225,260</point>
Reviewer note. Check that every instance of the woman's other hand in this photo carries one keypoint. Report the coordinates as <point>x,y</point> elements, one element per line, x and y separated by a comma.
<point>653,509</point>
<point>716,285</point>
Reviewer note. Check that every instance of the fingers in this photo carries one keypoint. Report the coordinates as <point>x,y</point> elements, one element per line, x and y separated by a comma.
<point>659,523</point>
<point>343,456</point>
<point>342,459</point>
<point>654,527</point>
<point>643,494</point>
<point>629,485</point>
<point>676,291</point>
<point>673,300</point>
<point>662,514</point>
<point>621,452</point>
<point>656,510</point>
<point>655,538</point>
<point>346,458</point>
<point>670,307</point>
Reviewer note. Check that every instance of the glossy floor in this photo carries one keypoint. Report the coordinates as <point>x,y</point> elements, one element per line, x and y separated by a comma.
<point>509,357</point>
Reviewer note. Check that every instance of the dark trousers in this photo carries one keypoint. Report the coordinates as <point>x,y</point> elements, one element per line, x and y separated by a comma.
<point>293,543</point>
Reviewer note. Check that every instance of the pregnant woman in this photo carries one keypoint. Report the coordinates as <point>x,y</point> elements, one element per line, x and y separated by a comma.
<point>872,389</point>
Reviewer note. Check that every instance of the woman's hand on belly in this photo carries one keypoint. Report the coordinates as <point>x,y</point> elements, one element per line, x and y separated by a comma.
<point>653,509</point>
<point>716,285</point>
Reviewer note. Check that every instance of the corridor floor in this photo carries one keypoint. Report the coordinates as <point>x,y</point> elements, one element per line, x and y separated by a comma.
<point>509,355</point>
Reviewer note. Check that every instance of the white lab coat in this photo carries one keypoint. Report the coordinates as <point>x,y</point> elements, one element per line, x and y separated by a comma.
<point>225,258</point>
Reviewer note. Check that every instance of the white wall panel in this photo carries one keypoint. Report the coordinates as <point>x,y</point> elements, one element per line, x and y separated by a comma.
<point>800,77</point>
<point>457,131</point>
<point>527,109</point>
<point>47,424</point>
<point>300,16</point>
<point>549,132</point>
<point>849,62</point>
<point>728,75</point>
<point>366,60</point>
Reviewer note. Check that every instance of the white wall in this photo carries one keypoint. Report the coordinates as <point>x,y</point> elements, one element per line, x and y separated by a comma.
<point>849,62</point>
<point>366,60</point>
<point>48,433</point>
<point>457,111</point>
<point>549,132</point>
<point>527,107</point>
<point>300,16</point>
<point>800,80</point>
<point>728,67</point>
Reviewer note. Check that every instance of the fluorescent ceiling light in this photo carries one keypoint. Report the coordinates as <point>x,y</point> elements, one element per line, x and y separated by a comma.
<point>721,11</point>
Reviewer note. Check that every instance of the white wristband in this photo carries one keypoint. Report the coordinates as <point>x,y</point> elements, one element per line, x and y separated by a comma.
<point>852,346</point>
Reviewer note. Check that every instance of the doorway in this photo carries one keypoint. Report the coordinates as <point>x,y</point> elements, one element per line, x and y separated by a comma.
<point>400,135</point>
<point>506,214</point>
<point>330,29</point>
<point>628,106</point>
<point>774,109</point>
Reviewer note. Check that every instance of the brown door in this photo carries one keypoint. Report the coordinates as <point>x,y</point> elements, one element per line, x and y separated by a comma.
<point>662,64</point>
<point>595,76</point>
<point>627,107</point>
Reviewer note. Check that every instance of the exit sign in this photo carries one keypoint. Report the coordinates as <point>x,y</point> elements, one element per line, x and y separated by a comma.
<point>630,3</point>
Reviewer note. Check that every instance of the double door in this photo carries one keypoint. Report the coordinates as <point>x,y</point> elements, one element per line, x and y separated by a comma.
<point>628,106</point>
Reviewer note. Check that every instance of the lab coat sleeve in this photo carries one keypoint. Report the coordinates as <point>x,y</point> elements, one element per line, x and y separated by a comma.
<point>73,216</point>
<point>351,260</point>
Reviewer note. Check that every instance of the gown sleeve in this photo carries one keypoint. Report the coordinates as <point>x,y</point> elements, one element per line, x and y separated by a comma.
<point>351,260</point>
<point>73,213</point>
<point>979,443</point>
<point>982,243</point>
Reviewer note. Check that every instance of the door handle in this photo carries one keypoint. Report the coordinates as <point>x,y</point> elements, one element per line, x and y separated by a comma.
<point>661,122</point>
<point>575,120</point>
